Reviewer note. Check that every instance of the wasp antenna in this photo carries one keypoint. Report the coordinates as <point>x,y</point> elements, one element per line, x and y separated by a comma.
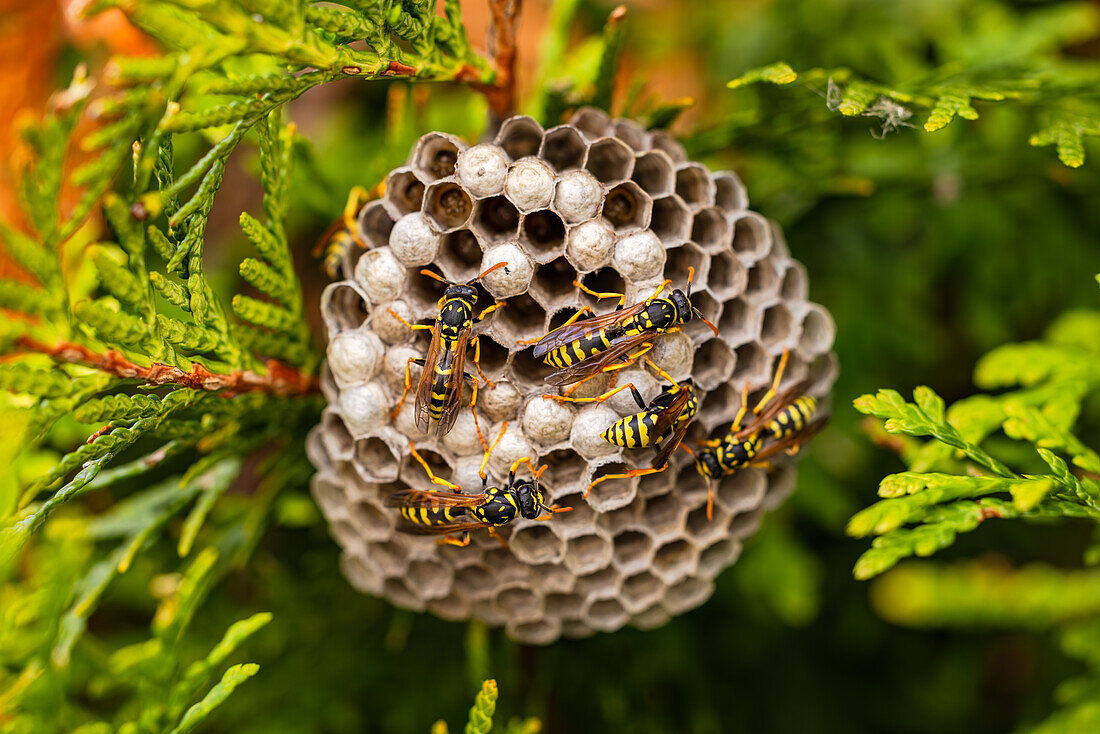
<point>436,276</point>
<point>498,266</point>
<point>705,320</point>
<point>691,278</point>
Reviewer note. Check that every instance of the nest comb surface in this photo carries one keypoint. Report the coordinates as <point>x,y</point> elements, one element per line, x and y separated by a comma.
<point>619,208</point>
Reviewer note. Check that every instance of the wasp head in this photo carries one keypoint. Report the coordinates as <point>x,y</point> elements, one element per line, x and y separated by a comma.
<point>461,290</point>
<point>682,303</point>
<point>707,464</point>
<point>530,499</point>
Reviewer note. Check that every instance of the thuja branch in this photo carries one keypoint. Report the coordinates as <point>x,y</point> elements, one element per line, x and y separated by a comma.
<point>280,379</point>
<point>503,26</point>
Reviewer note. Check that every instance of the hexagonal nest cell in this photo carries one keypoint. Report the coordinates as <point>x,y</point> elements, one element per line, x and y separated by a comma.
<point>633,551</point>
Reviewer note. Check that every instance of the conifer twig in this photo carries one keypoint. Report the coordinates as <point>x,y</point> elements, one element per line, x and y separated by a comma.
<point>280,379</point>
<point>501,45</point>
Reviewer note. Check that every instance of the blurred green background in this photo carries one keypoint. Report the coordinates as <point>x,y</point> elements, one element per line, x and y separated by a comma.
<point>928,248</point>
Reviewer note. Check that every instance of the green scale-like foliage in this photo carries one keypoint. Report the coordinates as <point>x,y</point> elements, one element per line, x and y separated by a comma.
<point>139,345</point>
<point>1003,456</point>
<point>1008,62</point>
<point>954,483</point>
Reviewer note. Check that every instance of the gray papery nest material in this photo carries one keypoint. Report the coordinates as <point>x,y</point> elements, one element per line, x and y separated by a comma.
<point>621,209</point>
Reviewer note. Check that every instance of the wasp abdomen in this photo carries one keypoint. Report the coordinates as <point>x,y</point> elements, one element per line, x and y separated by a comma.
<point>793,418</point>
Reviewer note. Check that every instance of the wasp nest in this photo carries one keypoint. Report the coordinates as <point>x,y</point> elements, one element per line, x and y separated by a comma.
<point>601,201</point>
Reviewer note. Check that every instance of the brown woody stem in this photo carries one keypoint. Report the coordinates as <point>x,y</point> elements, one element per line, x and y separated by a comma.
<point>280,379</point>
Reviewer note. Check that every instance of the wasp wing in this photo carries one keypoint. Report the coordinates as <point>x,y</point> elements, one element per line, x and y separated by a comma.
<point>600,360</point>
<point>452,395</point>
<point>565,334</point>
<point>795,439</point>
<point>427,377</point>
<point>775,407</point>
<point>673,411</point>
<point>454,527</point>
<point>432,499</point>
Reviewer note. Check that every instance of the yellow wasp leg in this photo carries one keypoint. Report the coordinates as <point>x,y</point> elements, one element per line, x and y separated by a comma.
<point>459,542</point>
<point>711,443</point>
<point>660,289</point>
<point>742,410</point>
<point>598,398</point>
<point>627,361</point>
<point>413,327</point>
<point>569,322</point>
<point>493,532</point>
<point>485,459</point>
<point>525,460</point>
<point>428,470</point>
<point>477,424</point>
<point>621,297</point>
<point>775,383</point>
<point>477,362</point>
<point>660,371</point>
<point>408,383</point>
<point>481,316</point>
<point>628,475</point>
<point>356,198</point>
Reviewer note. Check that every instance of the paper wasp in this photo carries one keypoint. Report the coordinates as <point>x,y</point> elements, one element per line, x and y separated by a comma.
<point>785,425</point>
<point>583,349</point>
<point>661,424</point>
<point>453,514</point>
<point>439,391</point>
<point>342,235</point>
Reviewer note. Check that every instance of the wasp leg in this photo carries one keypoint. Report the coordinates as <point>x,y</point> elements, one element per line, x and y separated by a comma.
<point>481,316</point>
<point>710,498</point>
<point>477,423</point>
<point>660,289</point>
<point>357,197</point>
<point>600,296</point>
<point>660,371</point>
<point>408,383</point>
<point>413,327</point>
<point>515,467</point>
<point>628,360</point>
<point>451,540</point>
<point>428,470</point>
<point>569,322</point>
<point>626,475</point>
<point>477,362</point>
<point>493,532</point>
<point>775,382</point>
<point>600,398</point>
<point>740,411</point>
<point>485,459</point>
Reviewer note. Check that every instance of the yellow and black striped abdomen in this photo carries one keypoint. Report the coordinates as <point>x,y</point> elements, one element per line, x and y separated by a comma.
<point>428,517</point>
<point>582,347</point>
<point>633,432</point>
<point>792,419</point>
<point>442,377</point>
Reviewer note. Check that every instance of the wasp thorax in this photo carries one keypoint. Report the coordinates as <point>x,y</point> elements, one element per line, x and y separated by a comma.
<point>602,203</point>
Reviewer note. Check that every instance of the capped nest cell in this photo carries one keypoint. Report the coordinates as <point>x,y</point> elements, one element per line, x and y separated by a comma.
<point>615,207</point>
